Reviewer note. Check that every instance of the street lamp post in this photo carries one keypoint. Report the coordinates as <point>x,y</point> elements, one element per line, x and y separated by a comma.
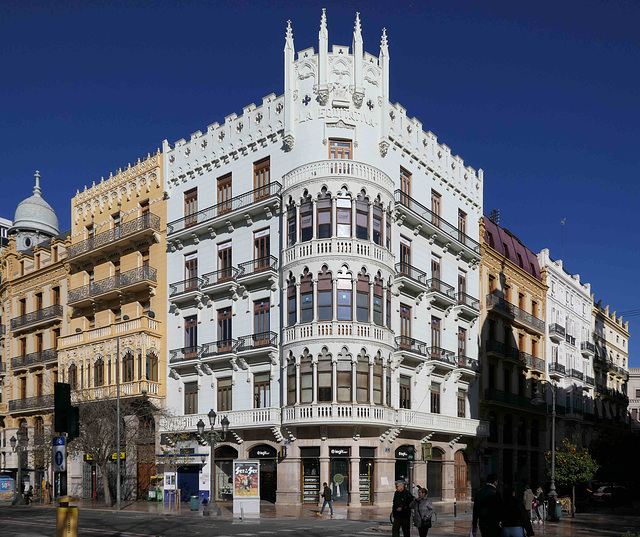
<point>212,438</point>
<point>18,446</point>
<point>553,495</point>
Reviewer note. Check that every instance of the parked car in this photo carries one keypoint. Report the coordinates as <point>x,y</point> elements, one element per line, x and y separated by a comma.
<point>612,495</point>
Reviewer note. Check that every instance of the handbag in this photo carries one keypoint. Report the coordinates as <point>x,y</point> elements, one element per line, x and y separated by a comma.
<point>425,523</point>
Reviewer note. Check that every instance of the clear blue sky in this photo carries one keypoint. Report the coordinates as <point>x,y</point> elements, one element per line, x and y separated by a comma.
<point>543,95</point>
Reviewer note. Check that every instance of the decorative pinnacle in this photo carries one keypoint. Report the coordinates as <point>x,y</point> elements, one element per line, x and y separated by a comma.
<point>357,29</point>
<point>36,189</point>
<point>323,19</point>
<point>289,35</point>
<point>383,41</point>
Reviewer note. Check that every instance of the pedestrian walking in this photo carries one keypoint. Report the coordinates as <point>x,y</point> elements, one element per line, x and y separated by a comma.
<point>401,510</point>
<point>487,508</point>
<point>527,499</point>
<point>422,512</point>
<point>540,510</point>
<point>515,522</point>
<point>326,495</point>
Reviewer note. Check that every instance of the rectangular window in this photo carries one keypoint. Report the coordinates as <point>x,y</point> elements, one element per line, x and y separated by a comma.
<point>462,226</point>
<point>38,301</point>
<point>306,222</point>
<point>388,310</point>
<point>306,299</point>
<point>190,272</point>
<point>39,385</point>
<point>261,249</point>
<point>191,398</point>
<point>435,208</point>
<point>306,382</point>
<point>191,337</point>
<point>190,207</point>
<point>323,207</point>
<point>344,375</point>
<point>435,268</point>
<point>325,297</point>
<point>388,232</point>
<point>55,334</point>
<point>292,303</point>
<point>462,404</point>
<point>462,286</point>
<point>224,330</point>
<point>435,398</point>
<point>225,261</point>
<point>145,257</point>
<point>224,194</point>
<point>405,256</point>
<point>462,341</point>
<point>116,219</point>
<point>534,308</point>
<point>377,225</point>
<point>377,383</point>
<point>261,390</point>
<point>343,211</point>
<point>55,298</point>
<point>492,284</point>
<point>377,302</point>
<point>405,187</point>
<point>23,387</point>
<point>291,226</point>
<point>405,392</point>
<point>362,220</point>
<point>291,384</point>
<point>339,149</point>
<point>261,323</point>
<point>405,325</point>
<point>261,178</point>
<point>325,381</point>
<point>435,332</point>
<point>224,395</point>
<point>362,382</point>
<point>362,301</point>
<point>521,301</point>
<point>345,305</point>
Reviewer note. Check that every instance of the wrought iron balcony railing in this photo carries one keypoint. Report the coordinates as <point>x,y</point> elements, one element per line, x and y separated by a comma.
<point>532,361</point>
<point>467,363</point>
<point>498,347</point>
<point>442,355</point>
<point>125,229</point>
<point>468,300</point>
<point>492,394</point>
<point>185,353</point>
<point>44,314</point>
<point>577,374</point>
<point>588,346</point>
<point>255,341</point>
<point>440,287</point>
<point>515,312</point>
<point>32,403</point>
<point>404,269</point>
<point>558,368</point>
<point>409,344</point>
<point>40,357</point>
<point>220,276</point>
<point>436,220</point>
<point>224,346</point>
<point>117,281</point>
<point>185,286</point>
<point>589,380</point>
<point>555,328</point>
<point>262,264</point>
<point>239,202</point>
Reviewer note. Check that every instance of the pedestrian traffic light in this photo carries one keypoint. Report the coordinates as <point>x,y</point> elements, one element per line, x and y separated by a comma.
<point>411,453</point>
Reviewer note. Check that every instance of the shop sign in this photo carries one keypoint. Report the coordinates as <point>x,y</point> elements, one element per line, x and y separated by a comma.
<point>338,452</point>
<point>246,479</point>
<point>263,452</point>
<point>402,452</point>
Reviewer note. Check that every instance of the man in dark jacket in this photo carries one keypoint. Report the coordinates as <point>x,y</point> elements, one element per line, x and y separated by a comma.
<point>326,496</point>
<point>487,508</point>
<point>401,510</point>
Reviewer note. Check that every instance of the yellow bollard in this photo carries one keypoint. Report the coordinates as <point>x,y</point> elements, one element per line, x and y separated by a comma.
<point>67,518</point>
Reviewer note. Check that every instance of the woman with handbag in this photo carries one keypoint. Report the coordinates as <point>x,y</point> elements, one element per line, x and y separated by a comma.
<point>422,512</point>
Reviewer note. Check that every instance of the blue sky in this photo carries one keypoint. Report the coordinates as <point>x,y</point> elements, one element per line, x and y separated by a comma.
<point>542,95</point>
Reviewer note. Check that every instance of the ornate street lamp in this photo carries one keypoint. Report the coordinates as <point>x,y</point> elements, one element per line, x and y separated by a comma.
<point>553,495</point>
<point>19,445</point>
<point>213,437</point>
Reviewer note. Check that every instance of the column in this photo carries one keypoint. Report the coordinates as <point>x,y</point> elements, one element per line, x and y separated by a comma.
<point>314,218</point>
<point>384,382</point>
<point>334,216</point>
<point>297,366</point>
<point>314,365</point>
<point>371,301</point>
<point>371,381</point>
<point>298,223</point>
<point>448,486</point>
<point>325,468</point>
<point>334,381</point>
<point>354,375</point>
<point>354,485</point>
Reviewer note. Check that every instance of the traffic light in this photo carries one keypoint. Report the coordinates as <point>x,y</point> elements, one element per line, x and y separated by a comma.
<point>411,453</point>
<point>66,417</point>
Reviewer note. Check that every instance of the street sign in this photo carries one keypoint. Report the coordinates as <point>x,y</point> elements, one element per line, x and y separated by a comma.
<point>59,454</point>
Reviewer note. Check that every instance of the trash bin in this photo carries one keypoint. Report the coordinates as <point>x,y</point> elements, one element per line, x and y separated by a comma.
<point>194,503</point>
<point>67,518</point>
<point>558,509</point>
<point>159,496</point>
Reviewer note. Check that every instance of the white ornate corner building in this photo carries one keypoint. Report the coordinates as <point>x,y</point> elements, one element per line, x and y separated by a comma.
<point>323,289</point>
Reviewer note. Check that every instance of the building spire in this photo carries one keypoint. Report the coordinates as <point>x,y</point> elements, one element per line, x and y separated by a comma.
<point>323,23</point>
<point>323,50</point>
<point>357,29</point>
<point>358,56</point>
<point>384,45</point>
<point>288,41</point>
<point>36,189</point>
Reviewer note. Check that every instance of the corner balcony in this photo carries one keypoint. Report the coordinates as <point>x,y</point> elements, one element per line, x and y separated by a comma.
<point>122,328</point>
<point>439,294</point>
<point>556,333</point>
<point>512,400</point>
<point>425,421</point>
<point>37,319</point>
<point>34,358</point>
<point>410,280</point>
<point>514,313</point>
<point>116,239</point>
<point>135,388</point>
<point>139,279</point>
<point>185,290</point>
<point>467,307</point>
<point>415,215</point>
<point>29,404</point>
<point>338,414</point>
<point>238,419</point>
<point>343,330</point>
<point>347,247</point>
<point>351,169</point>
<point>265,200</point>
<point>257,271</point>
<point>556,370</point>
<point>587,349</point>
<point>498,349</point>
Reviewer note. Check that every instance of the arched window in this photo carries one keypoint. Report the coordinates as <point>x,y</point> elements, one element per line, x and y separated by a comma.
<point>377,301</point>
<point>344,379</point>
<point>378,373</point>
<point>362,218</point>
<point>292,302</point>
<point>323,208</point>
<point>306,298</point>
<point>98,372</point>
<point>306,221</point>
<point>362,298</point>
<point>345,298</point>
<point>38,428</point>
<point>151,367</point>
<point>325,296</point>
<point>73,377</point>
<point>127,367</point>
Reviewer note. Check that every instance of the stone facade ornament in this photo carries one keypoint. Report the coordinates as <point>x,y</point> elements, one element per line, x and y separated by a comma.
<point>358,98</point>
<point>384,147</point>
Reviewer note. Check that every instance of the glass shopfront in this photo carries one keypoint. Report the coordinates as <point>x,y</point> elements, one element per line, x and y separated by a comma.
<point>402,464</point>
<point>268,457</point>
<point>366,477</point>
<point>224,473</point>
<point>310,462</point>
<point>339,474</point>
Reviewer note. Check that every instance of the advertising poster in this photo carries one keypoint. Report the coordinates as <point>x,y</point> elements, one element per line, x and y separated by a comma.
<point>6,488</point>
<point>246,477</point>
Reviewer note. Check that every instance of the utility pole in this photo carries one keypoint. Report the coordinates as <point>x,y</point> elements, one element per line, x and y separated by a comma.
<point>118,424</point>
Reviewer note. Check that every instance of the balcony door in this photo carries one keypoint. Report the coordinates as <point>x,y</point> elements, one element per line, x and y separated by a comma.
<point>190,272</point>
<point>436,201</point>
<point>224,194</point>
<point>261,179</point>
<point>261,249</point>
<point>435,334</point>
<point>462,342</point>
<point>224,261</point>
<point>261,325</point>
<point>224,330</point>
<point>190,207</point>
<point>191,337</point>
<point>405,326</point>
<point>405,256</point>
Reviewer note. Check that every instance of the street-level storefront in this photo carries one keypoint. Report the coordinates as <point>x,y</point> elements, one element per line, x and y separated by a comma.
<point>367,476</point>
<point>339,474</point>
<point>268,457</point>
<point>310,470</point>
<point>434,474</point>
<point>223,478</point>
<point>402,463</point>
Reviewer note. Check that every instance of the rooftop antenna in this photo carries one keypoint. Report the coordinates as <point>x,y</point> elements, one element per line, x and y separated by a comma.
<point>562,222</point>
<point>494,216</point>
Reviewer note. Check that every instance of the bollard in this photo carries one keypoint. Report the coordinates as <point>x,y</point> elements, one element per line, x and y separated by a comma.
<point>455,509</point>
<point>67,518</point>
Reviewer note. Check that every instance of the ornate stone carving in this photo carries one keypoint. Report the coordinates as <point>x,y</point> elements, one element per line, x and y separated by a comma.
<point>358,98</point>
<point>323,96</point>
<point>289,142</point>
<point>384,147</point>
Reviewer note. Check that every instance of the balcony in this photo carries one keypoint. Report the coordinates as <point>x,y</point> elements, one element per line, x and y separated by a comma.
<point>532,362</point>
<point>417,216</point>
<point>467,307</point>
<point>590,380</point>
<point>556,370</point>
<point>512,399</point>
<point>263,200</point>
<point>442,359</point>
<point>410,280</point>
<point>185,291</point>
<point>556,332</point>
<point>343,330</point>
<point>138,279</point>
<point>425,421</point>
<point>258,270</point>
<point>184,354</point>
<point>31,403</point>
<point>587,349</point>
<point>123,328</point>
<point>238,419</point>
<point>37,318</point>
<point>419,351</point>
<point>220,281</point>
<point>577,374</point>
<point>3,368</point>
<point>315,171</point>
<point>34,358</point>
<point>342,246</point>
<point>439,294</point>
<point>256,342</point>
<point>115,239</point>
<point>215,349</point>
<point>500,350</point>
<point>136,388</point>
<point>513,312</point>
<point>3,331</point>
<point>570,340</point>
<point>465,362</point>
<point>340,413</point>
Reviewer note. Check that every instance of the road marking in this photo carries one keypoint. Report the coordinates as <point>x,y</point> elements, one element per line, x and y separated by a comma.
<point>89,530</point>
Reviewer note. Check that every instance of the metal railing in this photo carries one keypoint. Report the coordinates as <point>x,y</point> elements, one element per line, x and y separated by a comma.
<point>43,314</point>
<point>409,344</point>
<point>515,312</point>
<point>532,361</point>
<point>570,340</point>
<point>223,346</point>
<point>220,209</point>
<point>411,272</point>
<point>588,346</point>
<point>123,230</point>
<point>255,266</point>
<point>31,403</point>
<point>219,276</point>
<point>577,374</point>
<point>255,341</point>
<point>555,328</point>
<point>39,357</point>
<point>466,362</point>
<point>589,380</point>
<point>436,220</point>
<point>492,394</point>
<point>442,355</point>
<point>185,286</point>
<point>493,345</point>
<point>467,300</point>
<point>558,368</point>
<point>117,281</point>
<point>440,287</point>
<point>185,353</point>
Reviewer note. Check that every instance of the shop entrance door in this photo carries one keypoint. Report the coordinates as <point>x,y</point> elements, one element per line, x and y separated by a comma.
<point>434,475</point>
<point>460,471</point>
<point>340,480</point>
<point>366,480</point>
<point>268,480</point>
<point>188,482</point>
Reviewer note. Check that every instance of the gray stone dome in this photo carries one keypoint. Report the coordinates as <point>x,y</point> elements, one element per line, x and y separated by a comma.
<point>35,214</point>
